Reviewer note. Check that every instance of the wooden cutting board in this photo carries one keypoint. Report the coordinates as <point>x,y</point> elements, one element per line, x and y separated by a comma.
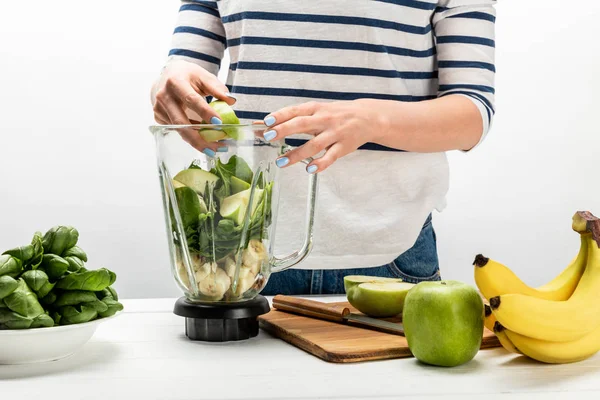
<point>341,343</point>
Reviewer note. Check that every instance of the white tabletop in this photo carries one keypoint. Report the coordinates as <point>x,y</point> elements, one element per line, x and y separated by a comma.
<point>144,354</point>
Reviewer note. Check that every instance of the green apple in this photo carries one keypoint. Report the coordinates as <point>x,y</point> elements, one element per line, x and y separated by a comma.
<point>238,185</point>
<point>228,117</point>
<point>196,179</point>
<point>234,207</point>
<point>212,135</point>
<point>443,322</point>
<point>379,299</point>
<point>352,280</point>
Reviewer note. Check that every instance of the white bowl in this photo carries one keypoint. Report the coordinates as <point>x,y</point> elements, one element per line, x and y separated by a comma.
<point>26,346</point>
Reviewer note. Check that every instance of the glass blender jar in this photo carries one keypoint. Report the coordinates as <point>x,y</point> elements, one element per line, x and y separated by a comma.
<point>220,215</point>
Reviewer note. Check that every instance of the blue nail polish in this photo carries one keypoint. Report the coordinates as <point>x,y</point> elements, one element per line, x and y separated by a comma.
<point>270,135</point>
<point>209,152</point>
<point>311,169</point>
<point>270,120</point>
<point>282,162</point>
<point>222,149</point>
<point>216,121</point>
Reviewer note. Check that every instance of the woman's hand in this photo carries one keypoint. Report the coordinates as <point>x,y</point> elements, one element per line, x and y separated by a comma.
<point>339,128</point>
<point>447,123</point>
<point>178,98</point>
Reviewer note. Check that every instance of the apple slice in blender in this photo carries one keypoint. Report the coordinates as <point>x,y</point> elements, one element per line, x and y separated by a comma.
<point>351,281</point>
<point>379,299</point>
<point>196,179</point>
<point>234,207</point>
<point>212,135</point>
<point>179,185</point>
<point>228,117</point>
<point>238,185</point>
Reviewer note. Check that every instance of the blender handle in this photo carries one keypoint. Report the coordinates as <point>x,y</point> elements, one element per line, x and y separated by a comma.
<point>281,264</point>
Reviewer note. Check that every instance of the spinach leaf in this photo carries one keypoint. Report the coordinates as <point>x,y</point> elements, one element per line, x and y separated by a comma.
<point>42,321</point>
<point>12,320</point>
<point>10,265</point>
<point>49,299</point>
<point>68,315</point>
<point>188,204</point>
<point>112,307</point>
<point>23,253</point>
<point>97,305</point>
<point>23,301</point>
<point>112,292</point>
<point>38,251</point>
<point>88,280</point>
<point>236,166</point>
<point>38,281</point>
<point>60,238</point>
<point>76,251</point>
<point>74,297</point>
<point>75,263</point>
<point>54,266</point>
<point>7,286</point>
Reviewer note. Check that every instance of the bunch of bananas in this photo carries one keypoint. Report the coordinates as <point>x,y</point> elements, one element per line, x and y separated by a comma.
<point>558,322</point>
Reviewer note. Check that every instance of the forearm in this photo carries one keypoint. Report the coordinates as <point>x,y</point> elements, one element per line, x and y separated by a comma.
<point>447,123</point>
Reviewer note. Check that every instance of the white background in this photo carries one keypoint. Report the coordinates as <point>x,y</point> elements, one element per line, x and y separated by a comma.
<point>75,149</point>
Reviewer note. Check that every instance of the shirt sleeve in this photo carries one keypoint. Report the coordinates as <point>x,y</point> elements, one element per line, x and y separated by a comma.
<point>199,36</point>
<point>465,43</point>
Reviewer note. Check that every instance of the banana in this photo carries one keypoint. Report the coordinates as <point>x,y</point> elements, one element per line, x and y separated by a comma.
<point>504,339</point>
<point>245,280</point>
<point>214,285</point>
<point>557,352</point>
<point>489,320</point>
<point>558,321</point>
<point>495,279</point>
<point>254,256</point>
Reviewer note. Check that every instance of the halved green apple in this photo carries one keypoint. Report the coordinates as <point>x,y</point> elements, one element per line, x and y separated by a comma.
<point>379,299</point>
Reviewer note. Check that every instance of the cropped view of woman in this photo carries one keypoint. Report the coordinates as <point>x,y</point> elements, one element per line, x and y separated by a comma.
<point>376,90</point>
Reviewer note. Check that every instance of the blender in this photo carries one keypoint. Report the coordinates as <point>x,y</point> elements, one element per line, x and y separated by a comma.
<point>220,215</point>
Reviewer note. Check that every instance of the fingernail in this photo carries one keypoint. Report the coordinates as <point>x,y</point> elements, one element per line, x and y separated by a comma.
<point>282,162</point>
<point>222,149</point>
<point>209,152</point>
<point>270,120</point>
<point>311,169</point>
<point>231,96</point>
<point>216,121</point>
<point>270,135</point>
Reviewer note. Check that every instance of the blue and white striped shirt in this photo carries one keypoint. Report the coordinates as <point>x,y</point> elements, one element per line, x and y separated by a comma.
<point>285,52</point>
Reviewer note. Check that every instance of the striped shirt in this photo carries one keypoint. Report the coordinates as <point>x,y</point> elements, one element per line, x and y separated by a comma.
<point>373,202</point>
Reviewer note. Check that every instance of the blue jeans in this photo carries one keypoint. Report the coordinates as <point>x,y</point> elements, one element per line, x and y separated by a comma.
<point>419,263</point>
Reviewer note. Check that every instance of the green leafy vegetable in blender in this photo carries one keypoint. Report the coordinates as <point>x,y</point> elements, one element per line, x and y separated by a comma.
<point>45,283</point>
<point>226,225</point>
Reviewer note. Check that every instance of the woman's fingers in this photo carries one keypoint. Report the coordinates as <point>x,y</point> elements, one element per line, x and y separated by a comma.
<point>287,113</point>
<point>189,98</point>
<point>302,124</point>
<point>212,86</point>
<point>178,117</point>
<point>335,152</point>
<point>309,149</point>
<point>160,119</point>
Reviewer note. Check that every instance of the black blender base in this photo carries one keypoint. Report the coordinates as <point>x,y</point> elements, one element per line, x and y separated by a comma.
<point>222,322</point>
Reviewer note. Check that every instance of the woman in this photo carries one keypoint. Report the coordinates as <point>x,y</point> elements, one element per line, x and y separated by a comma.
<point>379,90</point>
